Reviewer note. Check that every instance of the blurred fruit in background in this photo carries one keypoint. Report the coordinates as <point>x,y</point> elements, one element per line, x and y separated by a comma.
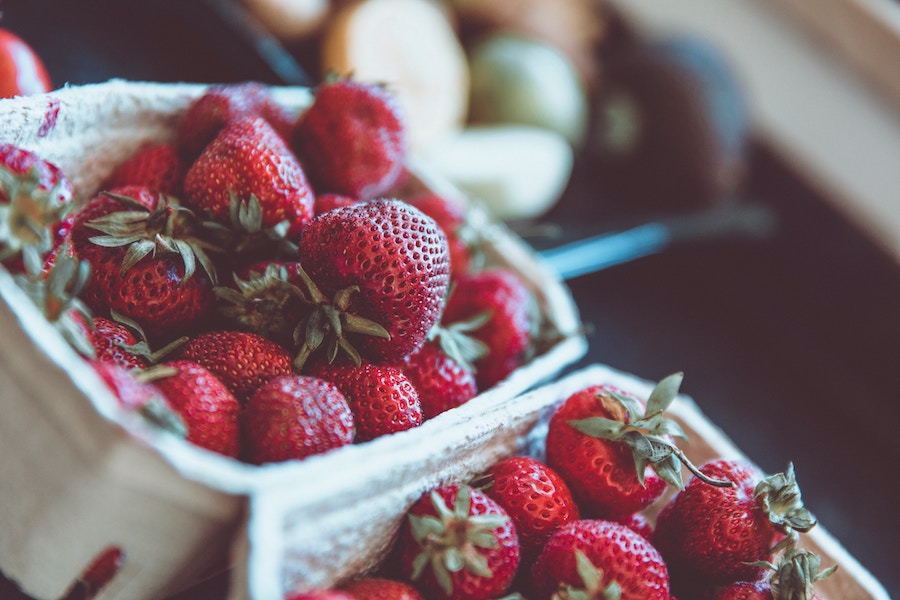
<point>21,70</point>
<point>575,27</point>
<point>506,98</point>
<point>411,46</point>
<point>290,20</point>
<point>517,79</point>
<point>671,125</point>
<point>517,172</point>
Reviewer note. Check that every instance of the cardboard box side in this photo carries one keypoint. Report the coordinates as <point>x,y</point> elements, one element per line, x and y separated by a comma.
<point>311,545</point>
<point>74,482</point>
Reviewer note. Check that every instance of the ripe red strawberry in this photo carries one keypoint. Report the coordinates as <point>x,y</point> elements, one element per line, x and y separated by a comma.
<point>382,261</point>
<point>638,523</point>
<point>615,454</point>
<point>594,555</point>
<point>535,497</point>
<point>97,574</point>
<point>458,543</point>
<point>451,217</point>
<point>209,113</point>
<point>718,534</point>
<point>508,305</point>
<point>35,197</point>
<point>248,159</point>
<point>208,409</point>
<point>352,139</point>
<point>319,595</point>
<point>112,342</point>
<point>329,201</point>
<point>382,398</point>
<point>379,588</point>
<point>140,397</point>
<point>143,255</point>
<point>793,578</point>
<point>295,416</point>
<point>242,360</point>
<point>442,382</point>
<point>158,166</point>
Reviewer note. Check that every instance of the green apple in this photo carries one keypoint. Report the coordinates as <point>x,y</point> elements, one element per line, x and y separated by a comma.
<point>516,79</point>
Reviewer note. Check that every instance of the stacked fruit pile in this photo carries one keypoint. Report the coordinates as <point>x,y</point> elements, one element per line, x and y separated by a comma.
<point>270,285</point>
<point>588,516</point>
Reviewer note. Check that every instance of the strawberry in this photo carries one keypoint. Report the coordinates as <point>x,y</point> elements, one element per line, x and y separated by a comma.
<point>382,398</point>
<point>380,267</point>
<point>535,497</point>
<point>501,296</point>
<point>792,578</point>
<point>451,217</point>
<point>248,160</point>
<point>241,360</point>
<point>97,574</point>
<point>208,409</point>
<point>140,397</point>
<point>458,543</point>
<point>329,201</point>
<point>158,166</point>
<point>122,341</point>
<point>379,588</point>
<point>719,534</point>
<point>598,556</point>
<point>319,595</point>
<point>442,382</point>
<point>352,139</point>
<point>35,196</point>
<point>221,104</point>
<point>295,416</point>
<point>143,254</point>
<point>616,455</point>
<point>111,341</point>
<point>638,523</point>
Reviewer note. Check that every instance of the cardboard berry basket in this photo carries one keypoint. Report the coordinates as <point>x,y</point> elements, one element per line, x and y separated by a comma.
<point>80,475</point>
<point>521,427</point>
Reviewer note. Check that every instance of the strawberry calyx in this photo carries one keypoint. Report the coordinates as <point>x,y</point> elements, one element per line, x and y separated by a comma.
<point>28,217</point>
<point>244,235</point>
<point>646,432</point>
<point>166,229</point>
<point>592,581</point>
<point>262,302</point>
<point>451,540</point>
<point>780,499</point>
<point>156,409</point>
<point>142,347</point>
<point>57,297</point>
<point>328,322</point>
<point>795,574</point>
<point>455,341</point>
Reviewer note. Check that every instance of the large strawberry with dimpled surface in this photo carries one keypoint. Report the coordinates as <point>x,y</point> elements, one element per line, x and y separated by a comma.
<point>383,267</point>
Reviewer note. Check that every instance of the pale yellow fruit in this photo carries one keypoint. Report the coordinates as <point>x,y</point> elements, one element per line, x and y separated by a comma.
<point>411,46</point>
<point>515,79</point>
<point>290,20</point>
<point>516,171</point>
<point>573,26</point>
